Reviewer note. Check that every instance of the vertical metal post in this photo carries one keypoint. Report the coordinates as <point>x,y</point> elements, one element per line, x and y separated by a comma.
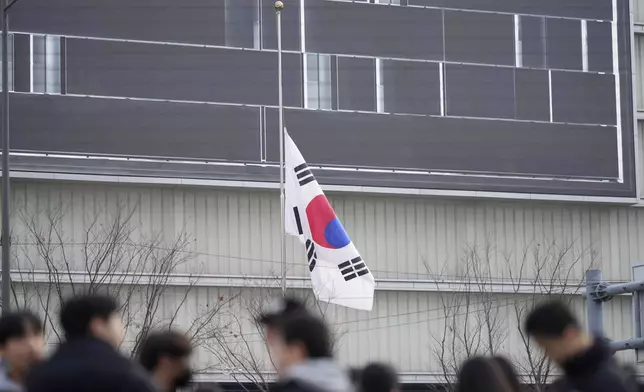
<point>278,11</point>
<point>6,241</point>
<point>593,305</point>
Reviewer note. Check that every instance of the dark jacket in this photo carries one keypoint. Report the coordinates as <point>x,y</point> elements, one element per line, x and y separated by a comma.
<point>595,371</point>
<point>318,375</point>
<point>84,365</point>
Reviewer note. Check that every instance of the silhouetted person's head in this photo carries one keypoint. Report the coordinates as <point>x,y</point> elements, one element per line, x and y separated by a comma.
<point>21,342</point>
<point>92,316</point>
<point>166,355</point>
<point>557,331</point>
<point>355,375</point>
<point>379,377</point>
<point>481,374</point>
<point>294,335</point>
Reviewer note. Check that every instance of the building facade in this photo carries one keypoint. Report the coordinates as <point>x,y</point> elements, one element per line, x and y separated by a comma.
<point>457,142</point>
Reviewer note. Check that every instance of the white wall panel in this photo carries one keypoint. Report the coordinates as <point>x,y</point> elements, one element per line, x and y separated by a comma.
<point>639,70</point>
<point>237,232</point>
<point>638,11</point>
<point>404,328</point>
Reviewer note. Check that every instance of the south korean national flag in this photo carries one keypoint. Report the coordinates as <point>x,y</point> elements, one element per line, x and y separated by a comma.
<point>339,275</point>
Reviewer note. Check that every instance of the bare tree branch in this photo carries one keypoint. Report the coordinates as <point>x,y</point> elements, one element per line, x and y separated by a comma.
<point>110,259</point>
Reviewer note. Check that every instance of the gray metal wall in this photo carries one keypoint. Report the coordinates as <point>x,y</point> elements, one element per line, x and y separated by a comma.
<point>415,248</point>
<point>478,88</point>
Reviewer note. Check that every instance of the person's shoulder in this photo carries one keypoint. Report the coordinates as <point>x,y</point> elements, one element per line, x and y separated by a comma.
<point>561,385</point>
<point>136,382</point>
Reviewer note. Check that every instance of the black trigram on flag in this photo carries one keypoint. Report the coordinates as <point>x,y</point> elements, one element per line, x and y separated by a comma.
<point>310,254</point>
<point>303,173</point>
<point>353,268</point>
<point>298,221</point>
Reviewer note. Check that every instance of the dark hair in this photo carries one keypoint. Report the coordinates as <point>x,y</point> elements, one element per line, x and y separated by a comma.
<point>308,330</point>
<point>550,319</point>
<point>378,377</point>
<point>355,375</point>
<point>163,344</point>
<point>279,308</point>
<point>509,372</point>
<point>17,325</point>
<point>479,374</point>
<point>78,312</point>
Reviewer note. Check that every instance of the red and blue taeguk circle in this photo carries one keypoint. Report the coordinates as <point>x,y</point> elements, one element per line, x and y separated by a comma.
<point>326,229</point>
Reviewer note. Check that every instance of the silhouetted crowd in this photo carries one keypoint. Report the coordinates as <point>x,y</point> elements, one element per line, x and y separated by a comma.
<point>300,345</point>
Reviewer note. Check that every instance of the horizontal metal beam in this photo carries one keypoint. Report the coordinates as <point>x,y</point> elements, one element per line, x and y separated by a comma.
<point>156,181</point>
<point>630,344</point>
<point>638,28</point>
<point>624,288</point>
<point>255,281</point>
<point>237,375</point>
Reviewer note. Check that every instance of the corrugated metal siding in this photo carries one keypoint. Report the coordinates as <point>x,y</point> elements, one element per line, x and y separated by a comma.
<point>404,328</point>
<point>237,232</point>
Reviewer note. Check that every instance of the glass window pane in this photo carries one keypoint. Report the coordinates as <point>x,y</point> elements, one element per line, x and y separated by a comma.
<point>46,70</point>
<point>52,63</point>
<point>39,74</point>
<point>324,81</point>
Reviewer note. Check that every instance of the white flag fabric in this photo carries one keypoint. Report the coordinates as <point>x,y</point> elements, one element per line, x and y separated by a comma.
<point>339,275</point>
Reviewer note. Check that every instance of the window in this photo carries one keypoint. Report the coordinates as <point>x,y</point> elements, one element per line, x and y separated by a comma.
<point>46,69</point>
<point>318,81</point>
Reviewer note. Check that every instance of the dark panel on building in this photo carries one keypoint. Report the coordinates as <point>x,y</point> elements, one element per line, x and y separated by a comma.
<point>598,9</point>
<point>190,21</point>
<point>450,144</point>
<point>368,29</point>
<point>564,49</point>
<point>290,25</point>
<point>583,98</point>
<point>532,95</point>
<point>411,87</point>
<point>21,63</point>
<point>600,46</point>
<point>475,37</point>
<point>241,17</point>
<point>134,128</point>
<point>128,69</point>
<point>532,31</point>
<point>479,91</point>
<point>356,84</point>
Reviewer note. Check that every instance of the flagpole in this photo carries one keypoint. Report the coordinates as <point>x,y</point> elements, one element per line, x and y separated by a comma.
<point>278,11</point>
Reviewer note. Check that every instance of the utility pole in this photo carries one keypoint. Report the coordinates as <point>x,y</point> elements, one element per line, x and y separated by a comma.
<point>6,241</point>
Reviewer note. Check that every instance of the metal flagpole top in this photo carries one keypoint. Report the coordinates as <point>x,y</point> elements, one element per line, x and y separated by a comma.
<point>279,5</point>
